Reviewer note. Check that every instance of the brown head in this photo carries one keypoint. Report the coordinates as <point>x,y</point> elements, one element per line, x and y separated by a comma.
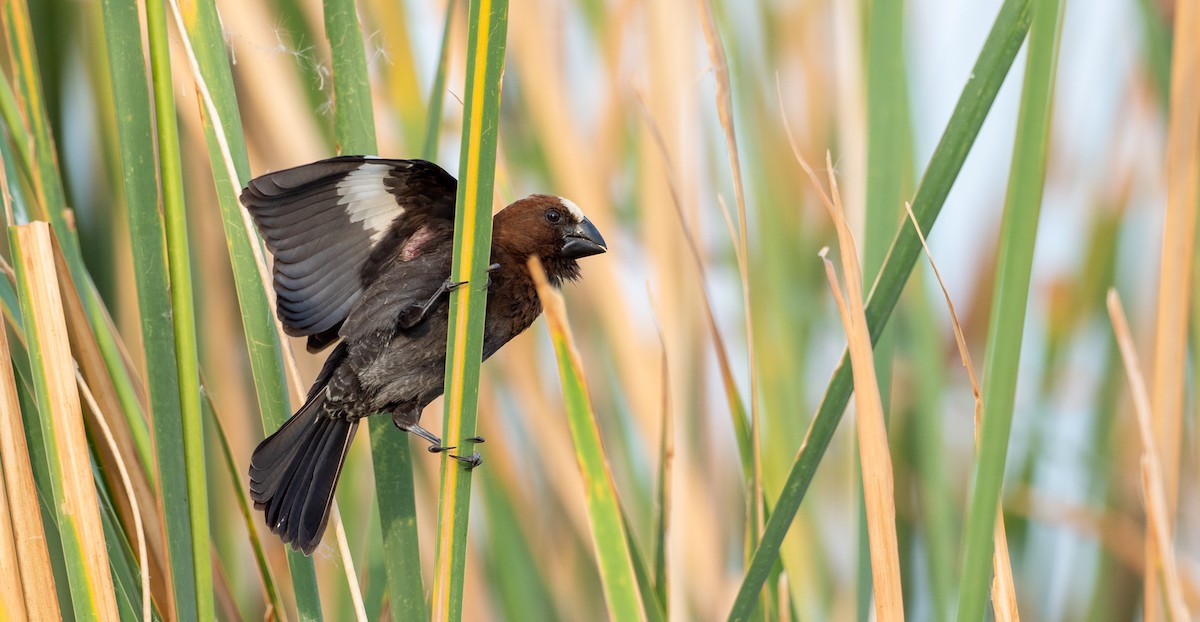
<point>550,227</point>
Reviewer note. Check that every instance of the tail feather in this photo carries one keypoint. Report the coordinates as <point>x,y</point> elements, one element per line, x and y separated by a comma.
<point>294,471</point>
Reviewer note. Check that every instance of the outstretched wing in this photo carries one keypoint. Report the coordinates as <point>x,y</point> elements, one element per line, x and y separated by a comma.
<point>330,223</point>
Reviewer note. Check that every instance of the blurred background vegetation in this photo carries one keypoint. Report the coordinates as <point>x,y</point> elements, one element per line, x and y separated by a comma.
<point>618,105</point>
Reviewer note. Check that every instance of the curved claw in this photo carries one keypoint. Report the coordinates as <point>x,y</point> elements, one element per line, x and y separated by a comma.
<point>470,461</point>
<point>474,439</point>
<point>437,449</point>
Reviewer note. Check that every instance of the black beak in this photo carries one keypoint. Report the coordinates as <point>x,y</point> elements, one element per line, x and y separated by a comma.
<point>584,241</point>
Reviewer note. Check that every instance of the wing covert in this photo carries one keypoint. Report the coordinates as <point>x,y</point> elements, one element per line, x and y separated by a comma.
<point>327,223</point>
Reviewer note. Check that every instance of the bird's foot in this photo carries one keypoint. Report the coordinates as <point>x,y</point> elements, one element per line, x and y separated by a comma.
<point>470,461</point>
<point>492,268</point>
<point>435,443</point>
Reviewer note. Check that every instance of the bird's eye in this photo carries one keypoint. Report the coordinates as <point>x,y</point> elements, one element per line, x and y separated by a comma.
<point>553,215</point>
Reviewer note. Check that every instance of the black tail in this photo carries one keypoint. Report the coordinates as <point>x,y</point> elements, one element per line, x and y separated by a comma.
<point>294,471</point>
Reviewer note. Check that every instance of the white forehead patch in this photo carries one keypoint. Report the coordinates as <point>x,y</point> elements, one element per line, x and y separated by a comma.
<point>571,207</point>
<point>364,196</point>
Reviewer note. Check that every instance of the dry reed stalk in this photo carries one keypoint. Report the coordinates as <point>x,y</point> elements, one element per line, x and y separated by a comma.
<point>1153,477</point>
<point>79,499</point>
<point>878,486</point>
<point>12,600</point>
<point>1174,290</point>
<point>138,507</point>
<point>36,577</point>
<point>31,588</point>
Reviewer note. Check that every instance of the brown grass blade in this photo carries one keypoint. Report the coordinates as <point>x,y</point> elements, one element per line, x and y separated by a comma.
<point>79,499</point>
<point>878,484</point>
<point>138,506</point>
<point>35,575</point>
<point>1179,230</point>
<point>12,600</point>
<point>1178,242</point>
<point>1153,478</point>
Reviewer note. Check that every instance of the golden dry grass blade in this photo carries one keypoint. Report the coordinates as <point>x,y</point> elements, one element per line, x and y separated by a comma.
<point>1004,589</point>
<point>878,486</point>
<point>78,510</point>
<point>1179,230</point>
<point>1178,242</point>
<point>12,601</point>
<point>36,577</point>
<point>139,506</point>
<point>1153,478</point>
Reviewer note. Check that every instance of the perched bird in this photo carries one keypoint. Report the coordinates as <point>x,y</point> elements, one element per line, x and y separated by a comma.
<point>363,249</point>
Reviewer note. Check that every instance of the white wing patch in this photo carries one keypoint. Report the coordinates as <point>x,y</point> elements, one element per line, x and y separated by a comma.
<point>576,213</point>
<point>364,196</point>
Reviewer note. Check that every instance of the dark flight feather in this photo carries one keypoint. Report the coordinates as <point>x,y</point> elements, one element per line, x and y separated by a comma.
<point>324,221</point>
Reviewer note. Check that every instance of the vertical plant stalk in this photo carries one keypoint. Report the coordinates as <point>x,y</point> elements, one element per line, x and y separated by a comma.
<point>486,37</point>
<point>77,506</point>
<point>887,155</point>
<point>204,42</point>
<point>1018,234</point>
<point>1168,389</point>
<point>35,576</point>
<point>136,153</point>
<point>12,597</point>
<point>999,50</point>
<point>183,315</point>
<point>97,389</point>
<point>40,162</point>
<point>604,513</point>
<point>391,454</point>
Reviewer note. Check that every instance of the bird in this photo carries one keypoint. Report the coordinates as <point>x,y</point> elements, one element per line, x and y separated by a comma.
<point>362,251</point>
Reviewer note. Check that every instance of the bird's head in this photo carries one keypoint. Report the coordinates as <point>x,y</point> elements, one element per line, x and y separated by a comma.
<point>552,228</point>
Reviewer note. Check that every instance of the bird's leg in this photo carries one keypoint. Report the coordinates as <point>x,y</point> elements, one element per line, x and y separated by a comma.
<point>413,314</point>
<point>435,443</point>
<point>492,268</point>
